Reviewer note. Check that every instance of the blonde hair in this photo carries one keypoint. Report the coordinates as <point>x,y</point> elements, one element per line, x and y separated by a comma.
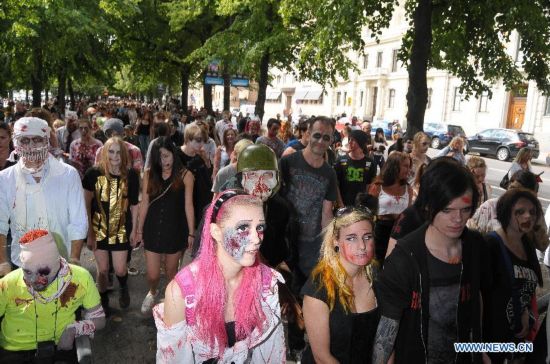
<point>329,272</point>
<point>417,139</point>
<point>523,156</point>
<point>456,140</point>
<point>476,162</point>
<point>103,162</point>
<point>192,130</point>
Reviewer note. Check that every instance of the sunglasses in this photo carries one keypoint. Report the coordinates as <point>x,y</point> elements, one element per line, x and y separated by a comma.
<point>342,211</point>
<point>326,137</point>
<point>35,140</point>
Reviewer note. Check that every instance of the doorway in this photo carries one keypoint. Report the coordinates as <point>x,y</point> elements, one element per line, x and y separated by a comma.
<point>516,108</point>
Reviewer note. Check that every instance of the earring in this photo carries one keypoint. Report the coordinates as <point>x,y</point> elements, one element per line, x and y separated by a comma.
<point>336,249</point>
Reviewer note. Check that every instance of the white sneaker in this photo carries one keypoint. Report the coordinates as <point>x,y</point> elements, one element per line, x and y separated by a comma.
<point>148,303</point>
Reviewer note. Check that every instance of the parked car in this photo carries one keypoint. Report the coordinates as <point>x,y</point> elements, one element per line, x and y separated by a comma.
<point>502,143</point>
<point>441,134</point>
<point>384,124</point>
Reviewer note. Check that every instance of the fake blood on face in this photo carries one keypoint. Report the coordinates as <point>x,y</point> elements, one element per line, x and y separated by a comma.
<point>235,242</point>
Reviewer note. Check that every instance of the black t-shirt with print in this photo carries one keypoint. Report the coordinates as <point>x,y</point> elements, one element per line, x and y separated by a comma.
<point>499,317</point>
<point>353,176</point>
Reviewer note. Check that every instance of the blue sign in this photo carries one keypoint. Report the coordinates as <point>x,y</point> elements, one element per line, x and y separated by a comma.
<point>240,82</point>
<point>210,80</point>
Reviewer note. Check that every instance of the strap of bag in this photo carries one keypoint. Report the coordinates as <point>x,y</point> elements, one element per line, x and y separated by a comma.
<point>186,282</point>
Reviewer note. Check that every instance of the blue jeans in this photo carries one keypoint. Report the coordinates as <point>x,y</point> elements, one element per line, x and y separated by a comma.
<point>143,144</point>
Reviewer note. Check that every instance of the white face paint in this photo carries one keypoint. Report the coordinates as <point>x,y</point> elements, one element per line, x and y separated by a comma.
<point>260,183</point>
<point>196,143</point>
<point>33,150</point>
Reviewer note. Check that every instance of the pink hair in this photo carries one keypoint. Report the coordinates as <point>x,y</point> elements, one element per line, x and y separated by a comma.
<point>211,291</point>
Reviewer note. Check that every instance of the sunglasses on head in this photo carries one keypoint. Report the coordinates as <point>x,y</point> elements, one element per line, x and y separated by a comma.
<point>326,137</point>
<point>342,211</point>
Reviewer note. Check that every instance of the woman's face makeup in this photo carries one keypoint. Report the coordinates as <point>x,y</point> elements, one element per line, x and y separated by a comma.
<point>197,143</point>
<point>524,215</point>
<point>243,232</point>
<point>114,155</point>
<point>166,159</point>
<point>356,243</point>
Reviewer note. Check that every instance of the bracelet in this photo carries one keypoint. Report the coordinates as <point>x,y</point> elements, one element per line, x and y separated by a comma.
<point>191,235</point>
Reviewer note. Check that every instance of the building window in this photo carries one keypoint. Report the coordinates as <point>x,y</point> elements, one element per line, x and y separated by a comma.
<point>379,59</point>
<point>547,106</point>
<point>361,99</point>
<point>365,61</point>
<point>457,99</point>
<point>483,101</point>
<point>338,95</point>
<point>519,52</point>
<point>391,99</point>
<point>345,98</point>
<point>430,92</point>
<point>394,61</point>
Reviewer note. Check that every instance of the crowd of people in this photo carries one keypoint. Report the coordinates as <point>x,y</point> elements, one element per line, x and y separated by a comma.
<point>307,243</point>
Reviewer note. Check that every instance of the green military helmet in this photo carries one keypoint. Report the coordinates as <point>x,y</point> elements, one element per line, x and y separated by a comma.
<point>257,157</point>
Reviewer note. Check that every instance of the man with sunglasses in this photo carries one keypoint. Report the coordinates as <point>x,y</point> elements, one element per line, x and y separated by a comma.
<point>39,192</point>
<point>310,186</point>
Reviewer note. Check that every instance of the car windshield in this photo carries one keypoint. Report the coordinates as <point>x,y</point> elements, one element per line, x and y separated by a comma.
<point>527,136</point>
<point>436,127</point>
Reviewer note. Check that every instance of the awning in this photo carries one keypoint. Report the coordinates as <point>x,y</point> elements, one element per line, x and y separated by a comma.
<point>272,94</point>
<point>301,94</point>
<point>313,94</point>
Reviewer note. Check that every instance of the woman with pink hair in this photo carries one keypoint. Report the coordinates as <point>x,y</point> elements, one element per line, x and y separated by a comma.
<point>224,306</point>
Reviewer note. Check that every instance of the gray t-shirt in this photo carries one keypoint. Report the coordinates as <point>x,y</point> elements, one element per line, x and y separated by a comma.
<point>444,291</point>
<point>276,144</point>
<point>223,176</point>
<point>306,188</point>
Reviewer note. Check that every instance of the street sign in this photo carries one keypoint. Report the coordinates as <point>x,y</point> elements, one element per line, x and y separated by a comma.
<point>240,82</point>
<point>213,80</point>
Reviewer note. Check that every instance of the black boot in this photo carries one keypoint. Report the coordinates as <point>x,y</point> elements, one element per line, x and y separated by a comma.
<point>105,303</point>
<point>124,295</point>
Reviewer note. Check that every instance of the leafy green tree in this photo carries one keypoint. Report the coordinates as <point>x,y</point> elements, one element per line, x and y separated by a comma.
<point>249,37</point>
<point>465,37</point>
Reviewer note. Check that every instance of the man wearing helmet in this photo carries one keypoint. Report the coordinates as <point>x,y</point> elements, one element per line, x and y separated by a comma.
<point>39,192</point>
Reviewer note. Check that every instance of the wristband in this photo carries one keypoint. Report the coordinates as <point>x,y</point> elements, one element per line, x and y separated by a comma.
<point>191,235</point>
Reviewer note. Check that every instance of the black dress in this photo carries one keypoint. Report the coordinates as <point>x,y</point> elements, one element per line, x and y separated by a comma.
<point>165,228</point>
<point>351,334</point>
<point>202,194</point>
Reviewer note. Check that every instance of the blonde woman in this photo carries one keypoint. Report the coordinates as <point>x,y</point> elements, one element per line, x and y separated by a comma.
<point>521,162</point>
<point>455,149</point>
<point>478,167</point>
<point>111,191</point>
<point>340,309</point>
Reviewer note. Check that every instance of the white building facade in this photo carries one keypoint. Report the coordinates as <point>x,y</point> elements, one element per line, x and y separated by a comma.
<point>378,91</point>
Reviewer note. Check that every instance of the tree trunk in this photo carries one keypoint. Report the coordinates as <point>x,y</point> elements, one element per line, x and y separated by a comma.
<point>226,92</point>
<point>47,95</point>
<point>207,95</point>
<point>61,87</point>
<point>184,87</point>
<point>71,93</point>
<point>417,94</point>
<point>262,85</point>
<point>37,76</point>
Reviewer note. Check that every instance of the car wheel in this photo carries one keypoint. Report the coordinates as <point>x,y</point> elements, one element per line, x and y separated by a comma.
<point>436,143</point>
<point>503,154</point>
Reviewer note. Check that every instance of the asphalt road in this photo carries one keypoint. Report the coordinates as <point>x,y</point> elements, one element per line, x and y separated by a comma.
<point>497,169</point>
